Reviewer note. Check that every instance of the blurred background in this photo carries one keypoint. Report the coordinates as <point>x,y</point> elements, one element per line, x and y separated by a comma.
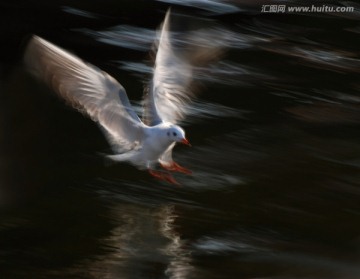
<point>276,153</point>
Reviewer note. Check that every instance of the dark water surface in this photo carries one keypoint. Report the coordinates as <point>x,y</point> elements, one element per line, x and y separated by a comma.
<point>276,152</point>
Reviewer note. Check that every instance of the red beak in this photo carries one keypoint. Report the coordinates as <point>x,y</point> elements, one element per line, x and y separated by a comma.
<point>185,141</point>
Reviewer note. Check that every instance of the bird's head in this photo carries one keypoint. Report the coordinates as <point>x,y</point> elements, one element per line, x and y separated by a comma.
<point>177,134</point>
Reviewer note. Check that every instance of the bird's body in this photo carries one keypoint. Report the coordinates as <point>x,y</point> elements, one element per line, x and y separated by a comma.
<point>150,151</point>
<point>87,88</point>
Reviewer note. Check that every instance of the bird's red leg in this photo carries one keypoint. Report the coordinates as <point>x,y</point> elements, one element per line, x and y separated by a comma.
<point>169,178</point>
<point>156,174</point>
<point>163,176</point>
<point>182,169</point>
<point>176,167</point>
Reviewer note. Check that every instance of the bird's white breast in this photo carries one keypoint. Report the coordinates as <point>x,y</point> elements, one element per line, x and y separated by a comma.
<point>156,142</point>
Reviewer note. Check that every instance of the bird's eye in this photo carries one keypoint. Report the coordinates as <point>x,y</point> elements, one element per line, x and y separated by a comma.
<point>174,134</point>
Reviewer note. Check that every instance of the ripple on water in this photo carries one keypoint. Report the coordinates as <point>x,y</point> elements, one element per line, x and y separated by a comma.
<point>79,12</point>
<point>213,6</point>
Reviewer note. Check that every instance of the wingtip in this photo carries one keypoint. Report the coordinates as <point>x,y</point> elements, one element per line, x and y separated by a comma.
<point>29,48</point>
<point>36,38</point>
<point>33,41</point>
<point>32,47</point>
<point>166,20</point>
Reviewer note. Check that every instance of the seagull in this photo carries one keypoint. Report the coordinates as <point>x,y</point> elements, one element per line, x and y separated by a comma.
<point>144,143</point>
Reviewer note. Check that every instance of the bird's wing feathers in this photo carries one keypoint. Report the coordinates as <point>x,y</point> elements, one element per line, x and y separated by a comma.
<point>87,88</point>
<point>172,86</point>
<point>168,92</point>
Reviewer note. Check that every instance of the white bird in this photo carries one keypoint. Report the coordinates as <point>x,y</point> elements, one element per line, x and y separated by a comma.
<point>100,96</point>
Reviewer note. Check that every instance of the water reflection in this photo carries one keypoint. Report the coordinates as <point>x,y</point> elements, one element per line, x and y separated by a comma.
<point>144,242</point>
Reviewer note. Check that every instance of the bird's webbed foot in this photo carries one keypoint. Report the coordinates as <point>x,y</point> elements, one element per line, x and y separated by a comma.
<point>161,175</point>
<point>176,168</point>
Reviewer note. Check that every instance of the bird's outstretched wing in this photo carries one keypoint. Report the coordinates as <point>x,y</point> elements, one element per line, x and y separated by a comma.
<point>86,88</point>
<point>167,92</point>
<point>171,88</point>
